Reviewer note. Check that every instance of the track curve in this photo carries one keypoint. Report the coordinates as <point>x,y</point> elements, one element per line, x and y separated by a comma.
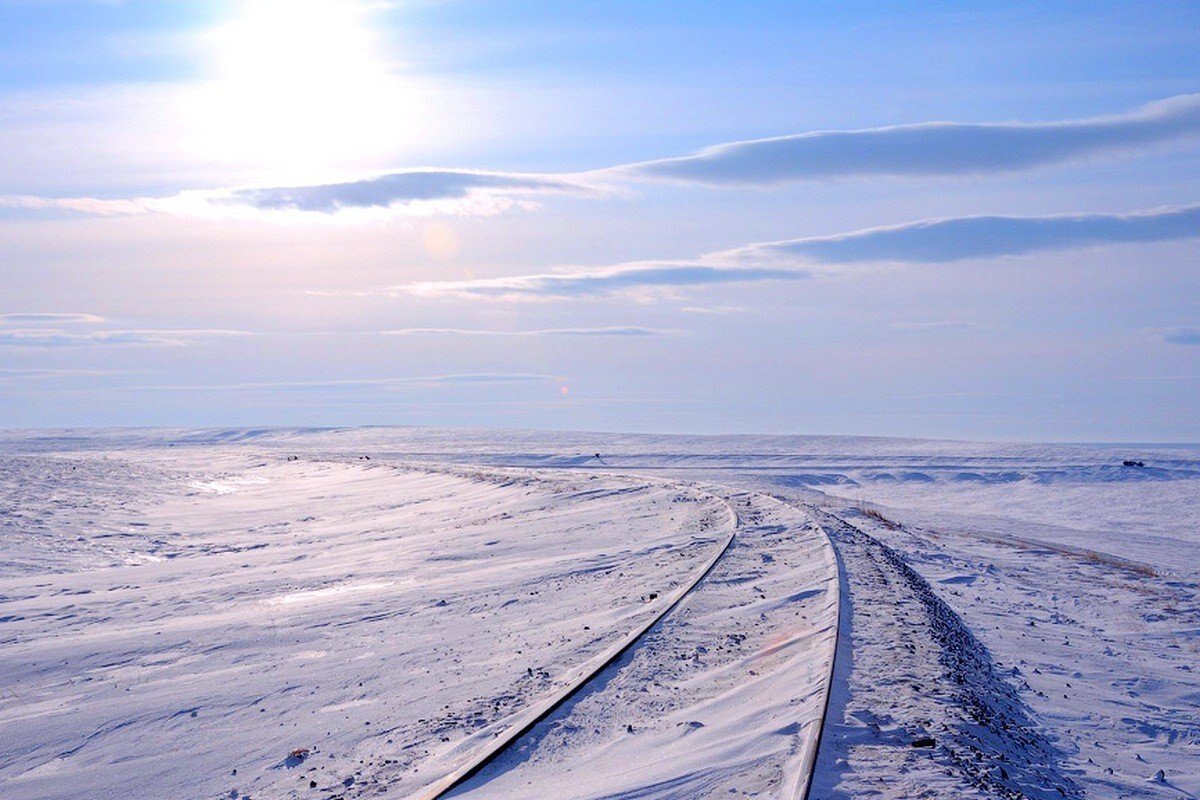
<point>540,711</point>
<point>728,691</point>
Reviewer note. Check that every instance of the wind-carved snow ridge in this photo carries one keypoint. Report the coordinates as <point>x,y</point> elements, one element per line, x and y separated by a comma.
<point>922,698</point>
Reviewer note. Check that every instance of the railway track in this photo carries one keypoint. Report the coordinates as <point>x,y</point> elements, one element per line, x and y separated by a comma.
<point>540,711</point>
<point>752,526</point>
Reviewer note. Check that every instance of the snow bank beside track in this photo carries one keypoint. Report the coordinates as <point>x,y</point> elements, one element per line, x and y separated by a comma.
<point>318,624</point>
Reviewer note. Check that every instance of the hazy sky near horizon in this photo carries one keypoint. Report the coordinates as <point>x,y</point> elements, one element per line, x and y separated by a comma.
<point>972,220</point>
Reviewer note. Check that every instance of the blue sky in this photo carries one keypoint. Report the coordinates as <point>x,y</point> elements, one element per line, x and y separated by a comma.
<point>965,220</point>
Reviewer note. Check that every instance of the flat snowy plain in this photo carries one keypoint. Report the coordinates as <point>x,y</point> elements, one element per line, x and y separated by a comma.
<point>368,612</point>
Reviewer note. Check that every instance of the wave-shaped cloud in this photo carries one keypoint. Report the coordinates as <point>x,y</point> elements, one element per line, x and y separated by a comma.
<point>53,318</point>
<point>411,192</point>
<point>928,148</point>
<point>924,241</point>
<point>53,337</point>
<point>400,188</point>
<point>921,149</point>
<point>961,238</point>
<point>652,276</point>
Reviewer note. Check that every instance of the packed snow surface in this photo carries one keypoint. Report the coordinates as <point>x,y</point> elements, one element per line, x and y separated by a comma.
<point>361,612</point>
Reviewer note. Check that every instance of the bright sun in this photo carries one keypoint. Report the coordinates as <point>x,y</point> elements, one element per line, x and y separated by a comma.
<point>300,86</point>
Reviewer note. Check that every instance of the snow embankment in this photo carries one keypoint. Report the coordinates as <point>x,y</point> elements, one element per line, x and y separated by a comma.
<point>280,626</point>
<point>919,707</point>
<point>1101,654</point>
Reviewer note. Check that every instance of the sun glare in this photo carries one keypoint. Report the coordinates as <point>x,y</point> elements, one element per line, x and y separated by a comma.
<point>299,86</point>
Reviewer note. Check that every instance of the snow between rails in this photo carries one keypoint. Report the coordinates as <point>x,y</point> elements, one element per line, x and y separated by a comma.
<point>528,719</point>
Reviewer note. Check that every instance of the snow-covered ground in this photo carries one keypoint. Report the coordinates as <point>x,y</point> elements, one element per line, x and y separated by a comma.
<point>380,617</point>
<point>1101,654</point>
<point>181,610</point>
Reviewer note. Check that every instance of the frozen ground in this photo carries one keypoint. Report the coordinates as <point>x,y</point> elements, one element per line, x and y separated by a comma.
<point>180,610</point>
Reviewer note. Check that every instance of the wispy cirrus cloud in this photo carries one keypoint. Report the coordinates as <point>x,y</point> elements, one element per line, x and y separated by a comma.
<point>81,206</point>
<point>609,331</point>
<point>50,318</point>
<point>714,310</point>
<point>935,325</point>
<point>926,149</point>
<point>354,384</point>
<point>481,377</point>
<point>632,278</point>
<point>56,337</point>
<point>925,241</point>
<point>9,374</point>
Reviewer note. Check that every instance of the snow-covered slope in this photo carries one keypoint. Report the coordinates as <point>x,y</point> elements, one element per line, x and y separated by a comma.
<point>372,615</point>
<point>1098,656</point>
<point>176,605</point>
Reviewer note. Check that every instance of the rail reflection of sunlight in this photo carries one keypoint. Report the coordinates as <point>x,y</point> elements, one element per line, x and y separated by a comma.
<point>298,87</point>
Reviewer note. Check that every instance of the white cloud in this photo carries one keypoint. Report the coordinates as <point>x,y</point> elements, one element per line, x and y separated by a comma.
<point>410,193</point>
<point>925,241</point>
<point>430,381</point>
<point>921,149</point>
<point>401,188</point>
<point>55,337</point>
<point>935,325</point>
<point>9,375</point>
<point>960,238</point>
<point>714,310</point>
<point>927,148</point>
<point>632,278</point>
<point>49,318</point>
<point>481,377</point>
<point>83,206</point>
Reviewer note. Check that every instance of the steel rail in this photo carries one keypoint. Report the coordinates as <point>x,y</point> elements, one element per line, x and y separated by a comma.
<point>530,718</point>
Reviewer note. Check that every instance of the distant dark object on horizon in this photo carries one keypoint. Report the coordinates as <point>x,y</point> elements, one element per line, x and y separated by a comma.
<point>1129,463</point>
